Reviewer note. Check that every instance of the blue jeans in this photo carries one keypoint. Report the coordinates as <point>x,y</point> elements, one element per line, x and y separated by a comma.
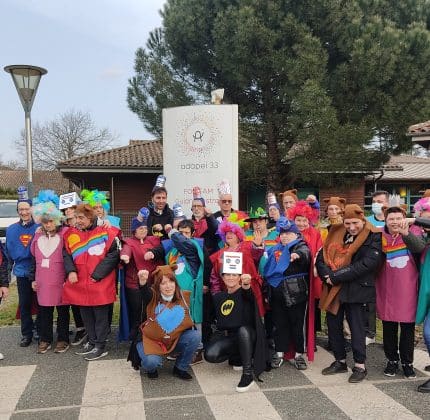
<point>186,347</point>
<point>426,331</point>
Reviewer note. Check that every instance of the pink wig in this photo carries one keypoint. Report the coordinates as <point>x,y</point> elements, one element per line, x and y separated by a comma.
<point>423,204</point>
<point>226,226</point>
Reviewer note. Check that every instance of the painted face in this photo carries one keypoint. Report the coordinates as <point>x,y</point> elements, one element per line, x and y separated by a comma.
<point>287,237</point>
<point>159,200</point>
<point>141,232</point>
<point>231,281</point>
<point>186,231</point>
<point>197,209</point>
<point>225,202</point>
<point>333,211</point>
<point>99,210</point>
<point>231,239</point>
<point>274,213</point>
<point>167,286</point>
<point>49,226</point>
<point>82,221</point>
<point>259,225</point>
<point>288,202</point>
<point>354,226</point>
<point>301,222</point>
<point>393,221</point>
<point>24,212</point>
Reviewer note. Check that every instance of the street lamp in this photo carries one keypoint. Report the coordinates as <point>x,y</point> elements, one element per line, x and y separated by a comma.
<point>26,80</point>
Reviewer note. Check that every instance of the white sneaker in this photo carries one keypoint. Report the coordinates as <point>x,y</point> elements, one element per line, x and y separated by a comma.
<point>1,356</point>
<point>370,341</point>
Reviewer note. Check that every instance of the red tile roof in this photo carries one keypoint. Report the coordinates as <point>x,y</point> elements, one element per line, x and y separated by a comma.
<point>137,154</point>
<point>419,129</point>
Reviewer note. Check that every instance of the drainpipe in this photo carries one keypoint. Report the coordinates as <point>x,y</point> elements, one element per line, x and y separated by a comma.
<point>112,196</point>
<point>375,180</point>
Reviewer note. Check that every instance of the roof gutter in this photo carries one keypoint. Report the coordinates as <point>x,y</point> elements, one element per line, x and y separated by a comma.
<point>111,170</point>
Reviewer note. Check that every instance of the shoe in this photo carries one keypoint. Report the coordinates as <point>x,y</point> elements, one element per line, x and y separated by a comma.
<point>427,368</point>
<point>370,340</point>
<point>181,374</point>
<point>197,358</point>
<point>425,387</point>
<point>172,357</point>
<point>237,368</point>
<point>409,372</point>
<point>61,347</point>
<point>25,341</point>
<point>1,356</point>
<point>358,374</point>
<point>277,361</point>
<point>392,368</point>
<point>246,381</point>
<point>96,353</point>
<point>300,363</point>
<point>43,347</point>
<point>153,374</point>
<point>335,367</point>
<point>80,337</point>
<point>86,349</point>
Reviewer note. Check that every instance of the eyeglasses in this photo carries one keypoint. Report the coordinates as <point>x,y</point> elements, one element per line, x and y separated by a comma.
<point>226,201</point>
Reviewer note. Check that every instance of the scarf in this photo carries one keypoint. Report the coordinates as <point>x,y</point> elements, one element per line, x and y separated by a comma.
<point>338,254</point>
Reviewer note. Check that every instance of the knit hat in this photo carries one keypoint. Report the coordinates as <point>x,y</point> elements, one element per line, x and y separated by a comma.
<point>197,195</point>
<point>353,211</point>
<point>283,225</point>
<point>335,201</point>
<point>164,270</point>
<point>140,220</point>
<point>291,193</point>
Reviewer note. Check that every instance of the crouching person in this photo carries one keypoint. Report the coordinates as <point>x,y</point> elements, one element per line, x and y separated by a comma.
<point>240,336</point>
<point>168,326</point>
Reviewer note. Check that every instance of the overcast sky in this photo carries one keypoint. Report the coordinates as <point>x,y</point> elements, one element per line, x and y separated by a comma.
<point>88,48</point>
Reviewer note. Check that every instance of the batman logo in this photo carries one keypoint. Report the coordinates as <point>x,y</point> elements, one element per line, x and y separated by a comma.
<point>227,307</point>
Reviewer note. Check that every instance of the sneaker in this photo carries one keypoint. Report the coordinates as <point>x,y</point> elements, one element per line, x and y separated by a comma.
<point>277,361</point>
<point>61,347</point>
<point>96,353</point>
<point>153,374</point>
<point>246,381</point>
<point>335,367</point>
<point>181,374</point>
<point>43,347</point>
<point>358,374</point>
<point>391,369</point>
<point>197,358</point>
<point>370,340</point>
<point>80,337</point>
<point>172,356</point>
<point>409,372</point>
<point>25,341</point>
<point>300,363</point>
<point>86,349</point>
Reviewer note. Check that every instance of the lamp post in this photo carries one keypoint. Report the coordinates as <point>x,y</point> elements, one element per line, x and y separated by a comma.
<point>26,80</point>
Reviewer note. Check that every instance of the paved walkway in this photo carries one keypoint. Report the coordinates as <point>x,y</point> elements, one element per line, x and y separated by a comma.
<point>64,386</point>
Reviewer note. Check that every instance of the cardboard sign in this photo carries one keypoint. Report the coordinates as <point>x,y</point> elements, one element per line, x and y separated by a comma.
<point>69,200</point>
<point>232,262</point>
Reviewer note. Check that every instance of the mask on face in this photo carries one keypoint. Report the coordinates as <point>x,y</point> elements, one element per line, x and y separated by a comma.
<point>376,208</point>
<point>167,298</point>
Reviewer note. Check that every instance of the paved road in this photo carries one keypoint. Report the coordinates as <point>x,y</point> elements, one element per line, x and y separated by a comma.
<point>65,386</point>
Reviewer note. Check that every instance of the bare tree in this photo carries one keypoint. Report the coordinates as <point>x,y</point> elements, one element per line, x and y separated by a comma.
<point>69,135</point>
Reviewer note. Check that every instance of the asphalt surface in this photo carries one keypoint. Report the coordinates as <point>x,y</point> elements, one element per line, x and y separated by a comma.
<point>65,386</point>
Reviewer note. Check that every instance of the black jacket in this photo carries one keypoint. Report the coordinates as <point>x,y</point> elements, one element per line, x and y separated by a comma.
<point>357,278</point>
<point>165,218</point>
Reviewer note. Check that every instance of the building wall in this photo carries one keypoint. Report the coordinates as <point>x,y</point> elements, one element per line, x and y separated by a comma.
<point>353,195</point>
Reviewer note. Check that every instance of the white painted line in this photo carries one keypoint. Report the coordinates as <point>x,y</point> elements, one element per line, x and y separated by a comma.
<point>13,381</point>
<point>112,383</point>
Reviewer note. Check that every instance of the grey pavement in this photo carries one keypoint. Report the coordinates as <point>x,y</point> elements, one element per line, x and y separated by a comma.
<point>65,386</point>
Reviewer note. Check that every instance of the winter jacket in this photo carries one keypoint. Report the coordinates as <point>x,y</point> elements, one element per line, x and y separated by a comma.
<point>165,218</point>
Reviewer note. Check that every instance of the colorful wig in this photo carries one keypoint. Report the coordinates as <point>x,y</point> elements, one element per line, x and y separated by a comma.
<point>47,211</point>
<point>95,196</point>
<point>234,223</point>
<point>423,204</point>
<point>47,196</point>
<point>302,208</point>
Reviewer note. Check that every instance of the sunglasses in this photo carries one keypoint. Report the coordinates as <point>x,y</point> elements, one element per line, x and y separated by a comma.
<point>226,201</point>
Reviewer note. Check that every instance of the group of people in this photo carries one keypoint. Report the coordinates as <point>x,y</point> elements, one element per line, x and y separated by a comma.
<point>249,289</point>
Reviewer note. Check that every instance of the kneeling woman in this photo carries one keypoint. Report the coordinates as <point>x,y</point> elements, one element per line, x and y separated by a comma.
<point>240,334</point>
<point>168,326</point>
